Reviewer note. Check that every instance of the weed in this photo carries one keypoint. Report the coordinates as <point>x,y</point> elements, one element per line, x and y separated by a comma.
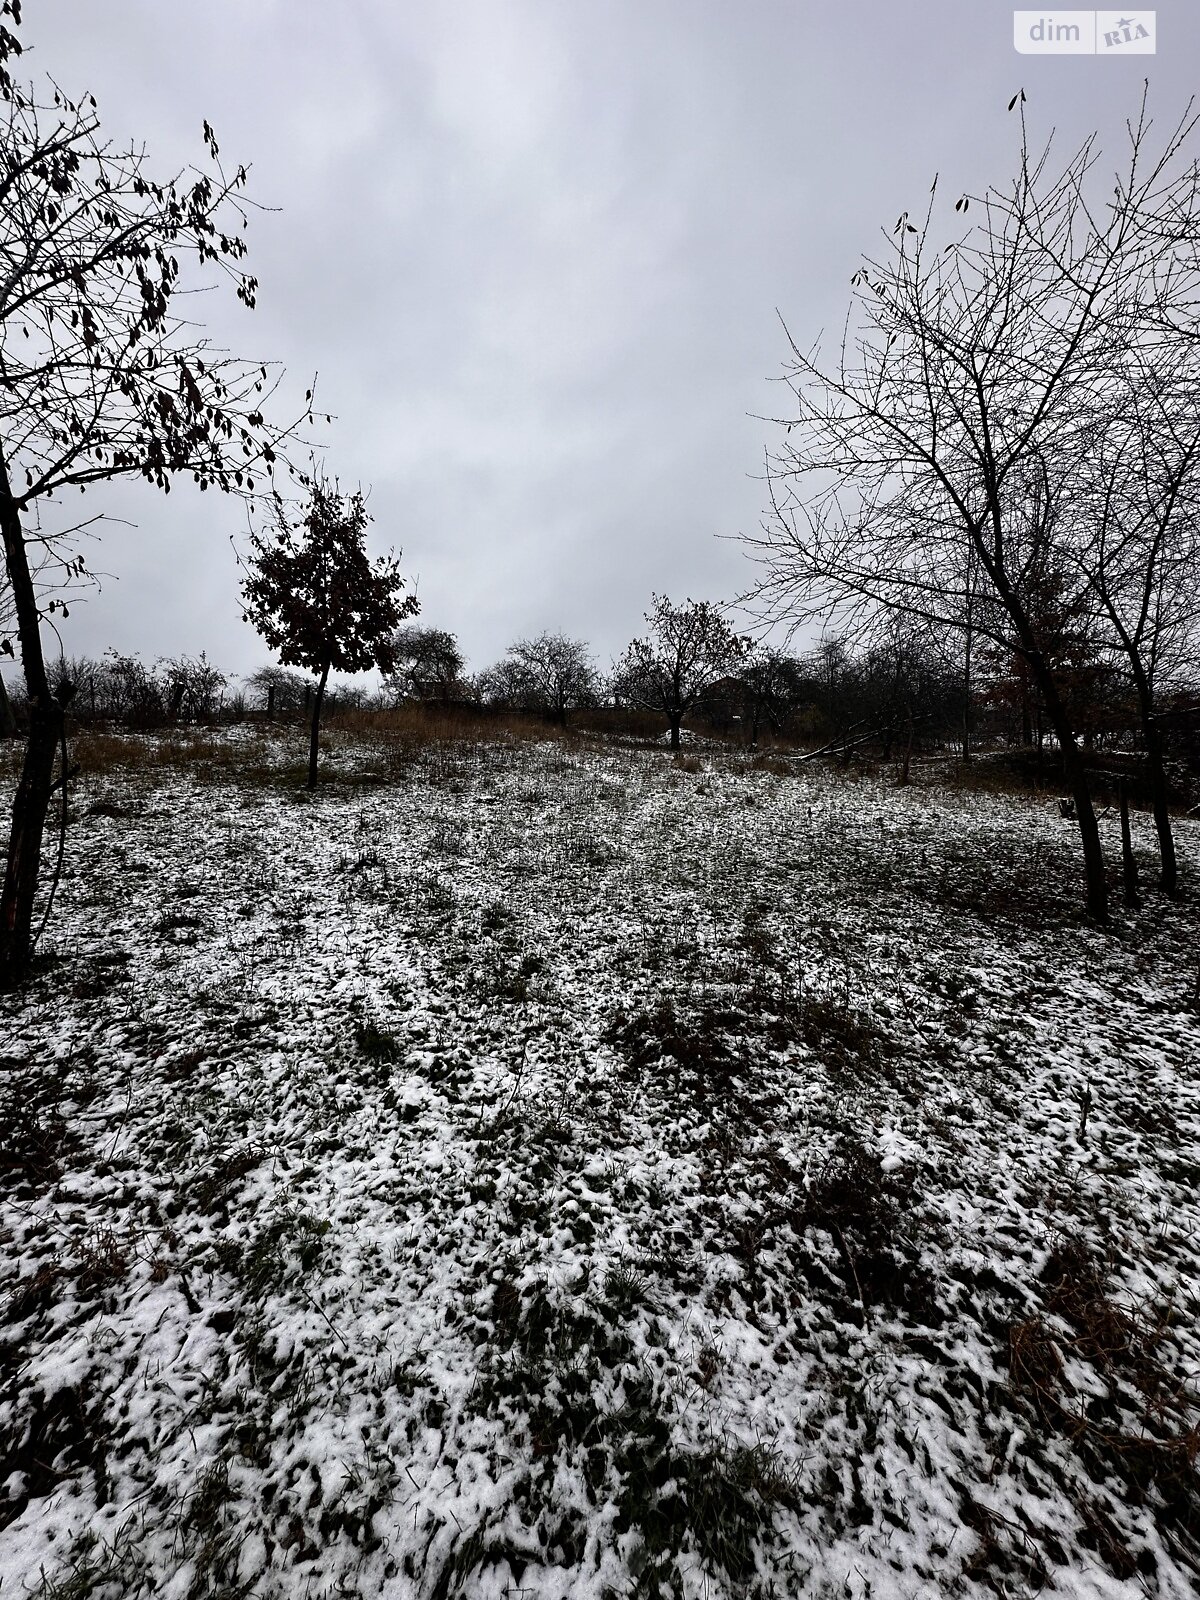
<point>290,1245</point>
<point>843,1035</point>
<point>670,1502</point>
<point>1156,1457</point>
<point>46,1439</point>
<point>869,1216</point>
<point>775,765</point>
<point>446,838</point>
<point>494,917</point>
<point>510,977</point>
<point>96,1566</point>
<point>212,1190</point>
<point>34,1137</point>
<point>35,1294</point>
<point>103,1261</point>
<point>377,1043</point>
<point>210,1532</point>
<point>624,1287</point>
<point>183,923</point>
<point>695,1050</point>
<point>113,809</point>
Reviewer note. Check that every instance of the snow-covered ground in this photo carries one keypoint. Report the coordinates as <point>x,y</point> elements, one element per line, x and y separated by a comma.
<point>543,1170</point>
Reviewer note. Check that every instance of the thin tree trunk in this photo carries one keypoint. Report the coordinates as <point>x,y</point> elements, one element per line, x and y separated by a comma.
<point>906,769</point>
<point>675,721</point>
<point>34,787</point>
<point>8,723</point>
<point>967,665</point>
<point>1160,805</point>
<point>1050,703</point>
<point>1128,860</point>
<point>1094,872</point>
<point>315,730</point>
<point>1155,768</point>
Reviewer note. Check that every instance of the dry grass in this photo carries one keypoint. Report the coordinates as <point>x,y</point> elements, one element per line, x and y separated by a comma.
<point>1122,1344</point>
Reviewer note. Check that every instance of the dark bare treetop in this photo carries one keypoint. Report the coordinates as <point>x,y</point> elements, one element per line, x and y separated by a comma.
<point>930,466</point>
<point>687,649</point>
<point>426,663</point>
<point>554,673</point>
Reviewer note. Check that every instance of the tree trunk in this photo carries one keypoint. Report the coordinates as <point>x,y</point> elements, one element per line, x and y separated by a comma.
<point>675,720</point>
<point>1151,737</point>
<point>271,703</point>
<point>1168,875</point>
<point>1075,773</point>
<point>30,805</point>
<point>967,666</point>
<point>1050,703</point>
<point>34,787</point>
<point>1095,876</point>
<point>1128,860</point>
<point>906,769</point>
<point>314,731</point>
<point>8,723</point>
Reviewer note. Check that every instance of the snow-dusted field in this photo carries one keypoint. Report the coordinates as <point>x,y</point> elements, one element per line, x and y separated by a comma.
<point>540,1170</point>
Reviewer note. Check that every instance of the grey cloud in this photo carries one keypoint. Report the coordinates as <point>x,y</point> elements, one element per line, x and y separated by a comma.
<point>535,251</point>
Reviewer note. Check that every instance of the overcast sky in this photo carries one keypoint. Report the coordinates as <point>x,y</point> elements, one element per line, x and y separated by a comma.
<point>536,250</point>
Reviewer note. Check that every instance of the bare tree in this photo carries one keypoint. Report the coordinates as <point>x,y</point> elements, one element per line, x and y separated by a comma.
<point>929,466</point>
<point>553,673</point>
<point>194,687</point>
<point>1137,541</point>
<point>688,647</point>
<point>101,377</point>
<point>771,682</point>
<point>502,685</point>
<point>280,689</point>
<point>427,663</point>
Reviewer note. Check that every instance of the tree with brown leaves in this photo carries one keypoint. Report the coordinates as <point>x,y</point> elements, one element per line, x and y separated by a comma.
<point>101,377</point>
<point>316,598</point>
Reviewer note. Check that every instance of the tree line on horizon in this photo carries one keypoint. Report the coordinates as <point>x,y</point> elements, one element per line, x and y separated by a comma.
<point>889,694</point>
